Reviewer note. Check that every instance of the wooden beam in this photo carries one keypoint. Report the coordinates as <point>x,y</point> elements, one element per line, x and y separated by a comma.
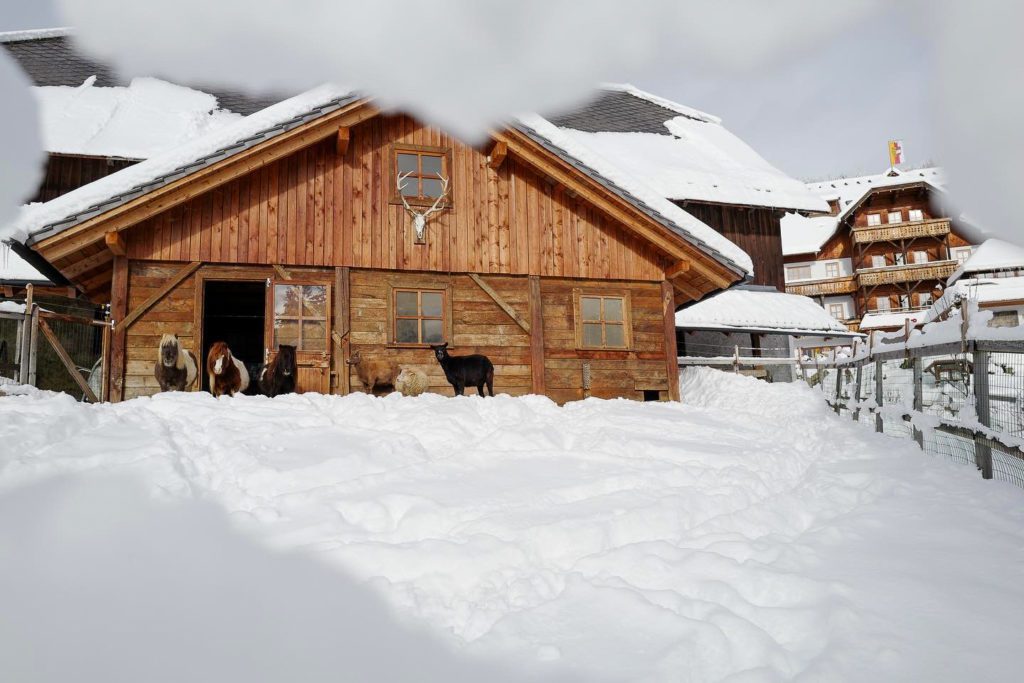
<point>677,268</point>
<point>115,243</point>
<point>87,264</point>
<point>342,140</point>
<point>282,273</point>
<point>65,359</point>
<point>202,180</point>
<point>342,327</point>
<point>497,155</point>
<point>536,337</point>
<point>118,309</point>
<point>502,304</point>
<point>692,292</point>
<point>158,295</point>
<point>668,305</point>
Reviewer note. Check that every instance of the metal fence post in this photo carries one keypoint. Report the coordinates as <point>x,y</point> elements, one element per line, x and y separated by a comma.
<point>879,395</point>
<point>982,451</point>
<point>860,374</point>
<point>918,398</point>
<point>839,387</point>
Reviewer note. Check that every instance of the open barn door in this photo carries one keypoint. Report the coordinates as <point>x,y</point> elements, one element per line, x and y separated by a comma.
<point>299,314</point>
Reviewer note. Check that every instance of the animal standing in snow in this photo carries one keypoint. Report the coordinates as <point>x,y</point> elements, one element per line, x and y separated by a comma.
<point>465,371</point>
<point>411,382</point>
<point>227,374</point>
<point>278,376</point>
<point>176,368</point>
<point>374,373</point>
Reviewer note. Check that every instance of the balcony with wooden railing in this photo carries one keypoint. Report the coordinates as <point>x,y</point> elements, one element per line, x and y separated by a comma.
<point>936,227</point>
<point>911,272</point>
<point>846,284</point>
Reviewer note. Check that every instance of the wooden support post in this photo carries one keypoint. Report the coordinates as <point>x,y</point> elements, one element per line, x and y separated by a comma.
<point>119,334</point>
<point>342,327</point>
<point>105,361</point>
<point>25,340</point>
<point>33,347</point>
<point>879,394</point>
<point>502,304</point>
<point>536,336</point>
<point>180,276</point>
<point>65,359</point>
<point>668,306</point>
<point>497,156</point>
<point>342,140</point>
<point>918,397</point>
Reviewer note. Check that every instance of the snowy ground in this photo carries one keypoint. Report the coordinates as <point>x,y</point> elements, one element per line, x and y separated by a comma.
<point>748,534</point>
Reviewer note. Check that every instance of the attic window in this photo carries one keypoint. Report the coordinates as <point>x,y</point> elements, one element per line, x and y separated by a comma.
<point>423,171</point>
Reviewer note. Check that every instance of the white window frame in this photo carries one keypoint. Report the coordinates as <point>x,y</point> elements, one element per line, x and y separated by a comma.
<point>841,308</point>
<point>880,300</point>
<point>899,217</point>
<point>874,219</point>
<point>831,266</point>
<point>920,256</point>
<point>961,254</point>
<point>915,215</point>
<point>790,277</point>
<point>875,258</point>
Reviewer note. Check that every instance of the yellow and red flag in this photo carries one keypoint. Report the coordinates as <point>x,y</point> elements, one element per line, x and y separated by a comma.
<point>895,153</point>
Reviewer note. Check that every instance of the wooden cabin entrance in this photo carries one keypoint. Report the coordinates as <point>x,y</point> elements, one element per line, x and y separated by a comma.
<point>234,311</point>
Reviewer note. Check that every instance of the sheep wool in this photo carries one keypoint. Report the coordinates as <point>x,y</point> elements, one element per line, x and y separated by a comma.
<point>411,382</point>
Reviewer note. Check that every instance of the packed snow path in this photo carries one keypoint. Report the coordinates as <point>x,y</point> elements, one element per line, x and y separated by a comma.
<point>748,534</point>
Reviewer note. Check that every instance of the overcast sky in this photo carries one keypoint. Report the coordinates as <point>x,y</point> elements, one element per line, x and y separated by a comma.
<point>828,111</point>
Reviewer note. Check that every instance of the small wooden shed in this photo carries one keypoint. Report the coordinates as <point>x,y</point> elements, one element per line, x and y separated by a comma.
<point>290,227</point>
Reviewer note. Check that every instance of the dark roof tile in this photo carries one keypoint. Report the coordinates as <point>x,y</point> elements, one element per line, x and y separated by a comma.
<point>614,111</point>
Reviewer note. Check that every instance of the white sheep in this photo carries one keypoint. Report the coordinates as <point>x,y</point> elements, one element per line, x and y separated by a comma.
<point>411,382</point>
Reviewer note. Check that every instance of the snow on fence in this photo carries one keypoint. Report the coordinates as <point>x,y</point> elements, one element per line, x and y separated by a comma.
<point>961,398</point>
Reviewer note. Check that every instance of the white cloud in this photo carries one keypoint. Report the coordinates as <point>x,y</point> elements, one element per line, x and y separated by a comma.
<point>21,161</point>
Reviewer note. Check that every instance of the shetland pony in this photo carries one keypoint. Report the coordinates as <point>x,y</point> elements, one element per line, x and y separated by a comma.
<point>227,374</point>
<point>278,376</point>
<point>175,368</point>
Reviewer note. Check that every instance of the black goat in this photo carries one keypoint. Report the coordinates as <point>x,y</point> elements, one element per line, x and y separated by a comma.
<point>466,371</point>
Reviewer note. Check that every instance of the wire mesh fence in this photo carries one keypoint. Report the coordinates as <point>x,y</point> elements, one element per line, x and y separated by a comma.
<point>964,402</point>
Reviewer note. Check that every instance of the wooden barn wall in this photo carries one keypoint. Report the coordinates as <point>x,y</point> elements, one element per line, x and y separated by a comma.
<point>612,373</point>
<point>65,173</point>
<point>316,208</point>
<point>478,325</point>
<point>756,231</point>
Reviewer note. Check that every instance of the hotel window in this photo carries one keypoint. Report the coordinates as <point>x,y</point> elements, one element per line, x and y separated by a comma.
<point>1004,319</point>
<point>418,316</point>
<point>837,311</point>
<point>904,301</point>
<point>895,217</point>
<point>602,322</point>
<point>878,261</point>
<point>874,219</point>
<point>920,257</point>
<point>832,269</point>
<point>915,215</point>
<point>924,300</point>
<point>798,273</point>
<point>882,303</point>
<point>961,254</point>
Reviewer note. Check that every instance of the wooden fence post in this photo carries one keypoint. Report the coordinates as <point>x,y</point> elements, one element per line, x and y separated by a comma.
<point>839,387</point>
<point>918,397</point>
<point>879,394</point>
<point>860,375</point>
<point>982,451</point>
<point>33,378</point>
<point>25,340</point>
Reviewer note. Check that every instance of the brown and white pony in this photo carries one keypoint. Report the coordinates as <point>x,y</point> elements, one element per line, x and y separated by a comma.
<point>227,374</point>
<point>175,368</point>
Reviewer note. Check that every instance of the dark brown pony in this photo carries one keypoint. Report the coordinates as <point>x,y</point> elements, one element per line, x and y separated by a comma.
<point>278,376</point>
<point>227,374</point>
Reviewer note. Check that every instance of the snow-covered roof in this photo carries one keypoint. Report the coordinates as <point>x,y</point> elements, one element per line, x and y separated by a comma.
<point>39,221</point>
<point>983,290</point>
<point>807,235</point>
<point>15,270</point>
<point>886,320</point>
<point>681,153</point>
<point>139,121</point>
<point>991,255</point>
<point>755,309</point>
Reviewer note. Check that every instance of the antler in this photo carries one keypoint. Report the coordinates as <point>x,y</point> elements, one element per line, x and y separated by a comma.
<point>400,182</point>
<point>440,198</point>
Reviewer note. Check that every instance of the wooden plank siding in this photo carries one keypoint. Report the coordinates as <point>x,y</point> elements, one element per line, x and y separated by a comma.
<point>757,231</point>
<point>316,208</point>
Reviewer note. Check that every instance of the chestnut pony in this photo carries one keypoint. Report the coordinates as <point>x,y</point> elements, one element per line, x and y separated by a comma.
<point>227,374</point>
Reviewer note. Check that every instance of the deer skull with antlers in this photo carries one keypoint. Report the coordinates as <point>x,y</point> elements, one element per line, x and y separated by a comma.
<point>419,218</point>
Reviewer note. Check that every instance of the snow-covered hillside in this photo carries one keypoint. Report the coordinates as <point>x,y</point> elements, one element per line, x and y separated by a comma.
<point>748,534</point>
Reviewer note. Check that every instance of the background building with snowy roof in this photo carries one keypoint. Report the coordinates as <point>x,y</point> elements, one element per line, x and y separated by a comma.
<point>758,322</point>
<point>889,240</point>
<point>993,277</point>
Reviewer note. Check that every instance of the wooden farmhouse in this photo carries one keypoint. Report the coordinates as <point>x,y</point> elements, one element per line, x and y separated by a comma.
<point>886,245</point>
<point>560,248</point>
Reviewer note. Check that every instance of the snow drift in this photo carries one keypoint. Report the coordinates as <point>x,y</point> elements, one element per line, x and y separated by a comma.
<point>746,535</point>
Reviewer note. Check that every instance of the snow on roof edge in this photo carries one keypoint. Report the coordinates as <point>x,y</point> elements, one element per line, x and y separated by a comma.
<point>35,34</point>
<point>681,109</point>
<point>744,308</point>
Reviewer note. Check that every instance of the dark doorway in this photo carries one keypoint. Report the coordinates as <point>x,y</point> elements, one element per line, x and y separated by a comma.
<point>652,395</point>
<point>234,312</point>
